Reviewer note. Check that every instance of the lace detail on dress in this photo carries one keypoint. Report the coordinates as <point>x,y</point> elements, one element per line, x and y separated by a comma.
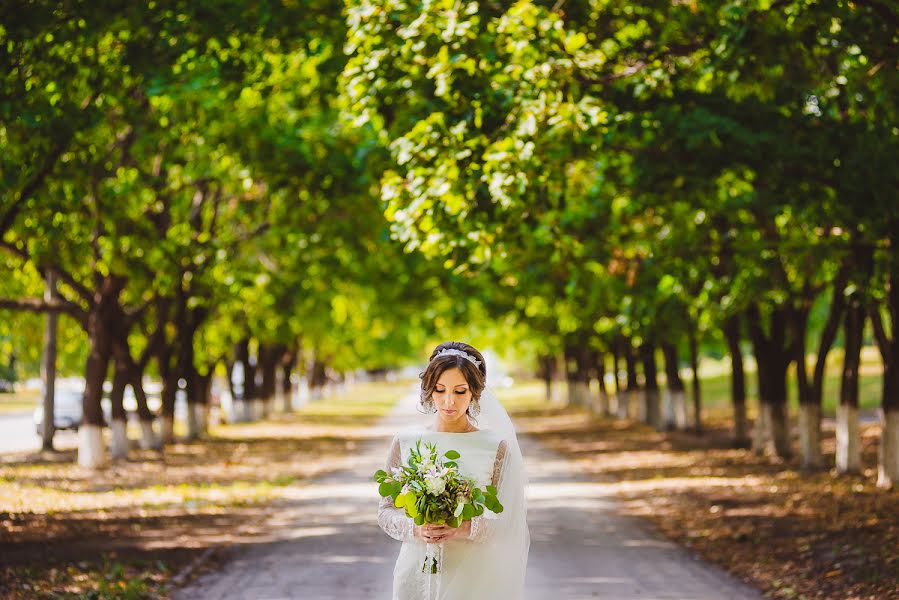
<point>483,526</point>
<point>393,520</point>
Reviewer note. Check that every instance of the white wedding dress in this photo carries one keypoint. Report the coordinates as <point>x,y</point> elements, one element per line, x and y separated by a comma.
<point>468,565</point>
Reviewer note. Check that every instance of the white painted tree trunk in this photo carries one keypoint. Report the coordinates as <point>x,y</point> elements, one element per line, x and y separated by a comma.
<point>888,469</point>
<point>778,434</point>
<point>148,438</point>
<point>603,404</point>
<point>667,409</point>
<point>679,404</point>
<point>652,401</point>
<point>760,429</point>
<point>193,427</point>
<point>582,393</point>
<point>202,417</point>
<point>91,451</point>
<point>642,409</point>
<point>624,399</point>
<point>849,455</point>
<point>810,436</point>
<point>279,392</point>
<point>256,409</point>
<point>118,444</point>
<point>167,429</point>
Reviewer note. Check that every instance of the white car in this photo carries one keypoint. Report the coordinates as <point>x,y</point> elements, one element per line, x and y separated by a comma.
<point>67,408</point>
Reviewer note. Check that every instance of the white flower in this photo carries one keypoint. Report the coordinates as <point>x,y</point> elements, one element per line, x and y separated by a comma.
<point>435,485</point>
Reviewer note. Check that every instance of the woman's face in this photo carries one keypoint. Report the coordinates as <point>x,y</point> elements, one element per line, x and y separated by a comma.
<point>452,396</point>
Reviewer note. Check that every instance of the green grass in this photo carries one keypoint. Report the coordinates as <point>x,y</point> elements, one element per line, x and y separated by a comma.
<point>18,401</point>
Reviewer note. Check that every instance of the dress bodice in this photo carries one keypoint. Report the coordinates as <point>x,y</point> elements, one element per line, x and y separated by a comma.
<point>477,449</point>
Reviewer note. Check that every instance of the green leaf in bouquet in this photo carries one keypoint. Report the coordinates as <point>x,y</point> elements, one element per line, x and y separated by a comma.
<point>450,463</point>
<point>459,509</point>
<point>468,511</point>
<point>420,519</point>
<point>478,510</point>
<point>452,454</point>
<point>380,474</point>
<point>455,521</point>
<point>411,509</point>
<point>491,489</point>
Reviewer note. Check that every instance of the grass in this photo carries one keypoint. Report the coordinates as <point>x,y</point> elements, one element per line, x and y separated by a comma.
<point>130,527</point>
<point>16,402</point>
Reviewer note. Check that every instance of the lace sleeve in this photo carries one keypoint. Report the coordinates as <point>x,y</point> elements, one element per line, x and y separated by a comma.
<point>391,519</point>
<point>483,526</point>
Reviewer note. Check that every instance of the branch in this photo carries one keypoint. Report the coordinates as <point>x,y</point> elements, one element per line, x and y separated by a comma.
<point>39,305</point>
<point>63,275</point>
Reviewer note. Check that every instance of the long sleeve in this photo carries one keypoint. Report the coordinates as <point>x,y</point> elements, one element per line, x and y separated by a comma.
<point>482,527</point>
<point>391,519</point>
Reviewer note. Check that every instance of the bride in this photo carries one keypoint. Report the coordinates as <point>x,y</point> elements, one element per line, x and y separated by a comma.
<point>485,557</point>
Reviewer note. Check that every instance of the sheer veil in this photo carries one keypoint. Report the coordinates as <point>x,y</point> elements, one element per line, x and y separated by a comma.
<point>495,563</point>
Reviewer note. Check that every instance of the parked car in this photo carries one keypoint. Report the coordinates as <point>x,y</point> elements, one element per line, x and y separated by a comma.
<point>67,407</point>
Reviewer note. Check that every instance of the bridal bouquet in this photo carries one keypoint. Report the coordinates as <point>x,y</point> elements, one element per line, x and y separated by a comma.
<point>433,491</point>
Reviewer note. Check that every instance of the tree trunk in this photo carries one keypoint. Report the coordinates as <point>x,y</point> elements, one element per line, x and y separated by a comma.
<point>737,382</point>
<point>773,358</point>
<point>848,455</point>
<point>48,367</point>
<point>91,451</point>
<point>602,401</point>
<point>614,407</point>
<point>651,391</point>
<point>118,447</point>
<point>697,390</point>
<point>888,468</point>
<point>288,362</point>
<point>626,409</point>
<point>675,396</point>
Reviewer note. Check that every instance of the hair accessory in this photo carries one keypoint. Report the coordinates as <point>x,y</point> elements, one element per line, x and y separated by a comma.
<point>461,353</point>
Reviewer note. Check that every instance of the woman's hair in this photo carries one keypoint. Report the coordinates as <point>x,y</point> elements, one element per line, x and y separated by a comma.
<point>476,376</point>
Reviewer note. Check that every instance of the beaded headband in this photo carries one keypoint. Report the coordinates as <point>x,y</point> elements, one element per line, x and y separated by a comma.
<point>461,353</point>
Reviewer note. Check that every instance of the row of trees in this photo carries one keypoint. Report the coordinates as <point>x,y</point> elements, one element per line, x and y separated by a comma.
<point>598,178</point>
<point>640,176</point>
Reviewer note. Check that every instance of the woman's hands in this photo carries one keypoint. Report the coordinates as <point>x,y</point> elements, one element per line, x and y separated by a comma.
<point>434,534</point>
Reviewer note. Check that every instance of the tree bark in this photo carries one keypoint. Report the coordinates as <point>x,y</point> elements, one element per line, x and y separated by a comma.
<point>91,452</point>
<point>626,409</point>
<point>737,382</point>
<point>773,357</point>
<point>676,401</point>
<point>848,454</point>
<point>48,367</point>
<point>651,391</point>
<point>119,427</point>
<point>602,403</point>
<point>697,389</point>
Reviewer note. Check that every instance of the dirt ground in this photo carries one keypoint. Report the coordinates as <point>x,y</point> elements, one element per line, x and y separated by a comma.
<point>128,530</point>
<point>793,534</point>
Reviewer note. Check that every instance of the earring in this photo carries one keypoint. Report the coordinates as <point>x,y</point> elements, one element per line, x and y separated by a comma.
<point>474,409</point>
<point>429,405</point>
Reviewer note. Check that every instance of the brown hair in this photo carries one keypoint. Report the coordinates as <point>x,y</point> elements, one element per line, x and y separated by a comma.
<point>475,375</point>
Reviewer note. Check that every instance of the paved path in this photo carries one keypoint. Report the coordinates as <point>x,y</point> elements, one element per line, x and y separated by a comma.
<point>330,546</point>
